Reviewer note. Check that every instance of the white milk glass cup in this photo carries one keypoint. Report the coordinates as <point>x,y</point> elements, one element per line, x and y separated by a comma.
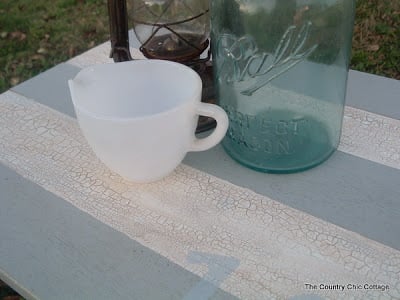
<point>140,117</point>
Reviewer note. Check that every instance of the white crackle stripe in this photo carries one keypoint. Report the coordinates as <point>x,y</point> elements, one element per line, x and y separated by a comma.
<point>371,136</point>
<point>253,246</point>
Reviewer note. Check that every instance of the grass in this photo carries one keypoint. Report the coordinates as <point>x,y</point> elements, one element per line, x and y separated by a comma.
<point>36,35</point>
<point>376,42</point>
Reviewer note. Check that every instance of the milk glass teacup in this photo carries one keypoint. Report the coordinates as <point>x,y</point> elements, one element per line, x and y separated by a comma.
<point>140,117</point>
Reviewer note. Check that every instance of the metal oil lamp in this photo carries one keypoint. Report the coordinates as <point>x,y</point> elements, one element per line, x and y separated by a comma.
<point>173,30</point>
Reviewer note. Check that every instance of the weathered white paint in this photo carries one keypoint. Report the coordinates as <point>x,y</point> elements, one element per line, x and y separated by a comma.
<point>263,249</point>
<point>371,136</point>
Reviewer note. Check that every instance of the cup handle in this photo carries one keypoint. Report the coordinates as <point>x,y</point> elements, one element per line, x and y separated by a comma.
<point>219,115</point>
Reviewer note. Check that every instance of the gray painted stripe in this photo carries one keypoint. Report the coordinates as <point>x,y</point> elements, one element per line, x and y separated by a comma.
<point>50,88</point>
<point>369,92</point>
<point>373,93</point>
<point>365,91</point>
<point>348,191</point>
<point>50,249</point>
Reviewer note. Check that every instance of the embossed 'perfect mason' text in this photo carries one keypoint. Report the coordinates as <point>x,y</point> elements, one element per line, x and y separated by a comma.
<point>272,137</point>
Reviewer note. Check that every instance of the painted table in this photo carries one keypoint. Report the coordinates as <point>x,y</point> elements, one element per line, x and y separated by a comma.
<point>71,229</point>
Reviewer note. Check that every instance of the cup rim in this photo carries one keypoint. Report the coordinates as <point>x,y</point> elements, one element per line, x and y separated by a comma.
<point>196,93</point>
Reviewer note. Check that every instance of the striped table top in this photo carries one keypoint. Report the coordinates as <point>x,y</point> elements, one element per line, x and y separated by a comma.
<point>211,230</point>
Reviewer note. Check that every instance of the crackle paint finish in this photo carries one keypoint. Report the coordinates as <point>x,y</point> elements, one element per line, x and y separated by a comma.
<point>364,134</point>
<point>371,136</point>
<point>247,244</point>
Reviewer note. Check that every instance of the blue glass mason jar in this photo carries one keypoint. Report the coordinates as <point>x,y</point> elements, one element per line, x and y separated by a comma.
<point>280,68</point>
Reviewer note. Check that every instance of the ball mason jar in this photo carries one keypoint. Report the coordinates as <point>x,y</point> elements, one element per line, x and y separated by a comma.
<point>280,69</point>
